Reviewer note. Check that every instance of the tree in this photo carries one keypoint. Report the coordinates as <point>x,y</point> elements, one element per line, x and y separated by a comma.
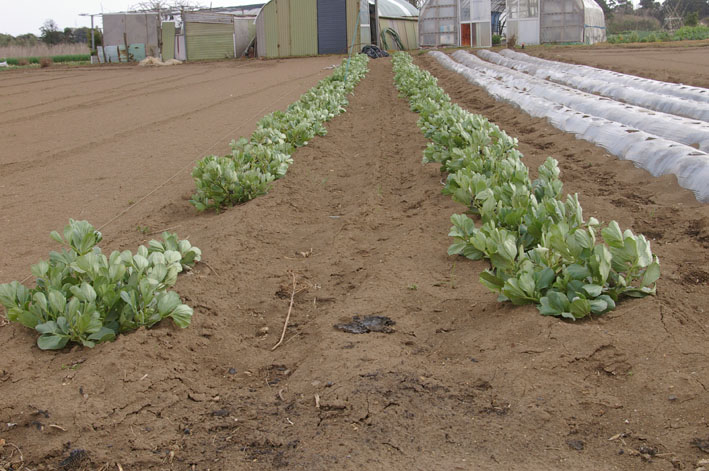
<point>649,5</point>
<point>165,6</point>
<point>50,33</point>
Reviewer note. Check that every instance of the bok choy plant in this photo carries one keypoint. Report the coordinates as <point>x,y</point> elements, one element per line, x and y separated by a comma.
<point>86,297</point>
<point>540,248</point>
<point>255,162</point>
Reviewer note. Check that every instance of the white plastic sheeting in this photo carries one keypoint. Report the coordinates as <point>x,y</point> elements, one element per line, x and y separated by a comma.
<point>675,128</point>
<point>564,21</point>
<point>688,92</point>
<point>557,72</point>
<point>657,155</point>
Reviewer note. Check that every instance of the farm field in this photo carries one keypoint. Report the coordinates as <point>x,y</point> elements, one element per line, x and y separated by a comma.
<point>463,382</point>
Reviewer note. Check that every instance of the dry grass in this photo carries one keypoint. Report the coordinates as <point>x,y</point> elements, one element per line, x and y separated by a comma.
<point>42,50</point>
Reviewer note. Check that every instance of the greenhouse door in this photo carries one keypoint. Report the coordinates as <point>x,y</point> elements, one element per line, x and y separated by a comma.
<point>465,34</point>
<point>332,27</point>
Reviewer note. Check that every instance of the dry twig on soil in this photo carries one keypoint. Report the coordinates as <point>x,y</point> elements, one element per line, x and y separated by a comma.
<point>290,308</point>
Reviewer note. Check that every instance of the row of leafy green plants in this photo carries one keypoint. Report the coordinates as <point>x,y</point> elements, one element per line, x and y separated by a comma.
<point>540,248</point>
<point>86,297</point>
<point>682,34</point>
<point>57,59</point>
<point>254,163</point>
<point>83,296</point>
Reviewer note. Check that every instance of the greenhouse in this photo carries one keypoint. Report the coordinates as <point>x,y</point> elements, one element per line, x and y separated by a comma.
<point>555,21</point>
<point>455,23</point>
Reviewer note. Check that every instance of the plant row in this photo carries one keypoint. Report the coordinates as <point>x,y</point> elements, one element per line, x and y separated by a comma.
<point>540,248</point>
<point>682,34</point>
<point>83,296</point>
<point>58,59</point>
<point>255,162</point>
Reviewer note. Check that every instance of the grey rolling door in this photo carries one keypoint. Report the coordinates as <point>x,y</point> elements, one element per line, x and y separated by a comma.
<point>332,27</point>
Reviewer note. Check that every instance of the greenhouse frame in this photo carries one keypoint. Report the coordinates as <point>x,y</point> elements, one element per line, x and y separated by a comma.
<point>555,21</point>
<point>455,23</point>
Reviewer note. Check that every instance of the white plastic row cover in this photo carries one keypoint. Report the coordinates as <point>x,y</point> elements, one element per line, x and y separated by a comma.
<point>697,94</point>
<point>558,72</point>
<point>657,155</point>
<point>683,130</point>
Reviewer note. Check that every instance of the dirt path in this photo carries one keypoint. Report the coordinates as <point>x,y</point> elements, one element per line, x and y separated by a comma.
<point>463,382</point>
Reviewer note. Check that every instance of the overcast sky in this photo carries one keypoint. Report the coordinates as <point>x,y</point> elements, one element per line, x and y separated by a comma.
<point>27,16</point>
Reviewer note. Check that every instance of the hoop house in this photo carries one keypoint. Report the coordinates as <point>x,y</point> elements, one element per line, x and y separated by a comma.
<point>555,21</point>
<point>455,23</point>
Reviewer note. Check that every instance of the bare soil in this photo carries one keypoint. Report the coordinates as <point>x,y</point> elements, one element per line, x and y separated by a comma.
<point>462,382</point>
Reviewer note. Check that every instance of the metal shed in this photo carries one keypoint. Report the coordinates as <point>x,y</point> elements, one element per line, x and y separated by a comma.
<point>456,23</point>
<point>556,21</point>
<point>216,35</point>
<point>310,27</point>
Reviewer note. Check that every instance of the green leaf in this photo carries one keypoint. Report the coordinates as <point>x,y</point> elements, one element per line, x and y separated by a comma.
<point>545,278</point>
<point>456,248</point>
<point>613,235</point>
<point>580,308</point>
<point>578,272</point>
<point>593,290</point>
<point>103,335</point>
<point>553,304</point>
<point>57,301</point>
<point>492,282</point>
<point>168,302</point>
<point>52,341</point>
<point>652,273</point>
<point>56,237</point>
<point>182,315</point>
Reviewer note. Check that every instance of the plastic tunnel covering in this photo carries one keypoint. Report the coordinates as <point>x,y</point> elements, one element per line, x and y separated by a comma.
<point>655,154</point>
<point>558,72</point>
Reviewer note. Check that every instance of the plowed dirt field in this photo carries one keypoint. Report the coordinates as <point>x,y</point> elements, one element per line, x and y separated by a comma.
<point>462,382</point>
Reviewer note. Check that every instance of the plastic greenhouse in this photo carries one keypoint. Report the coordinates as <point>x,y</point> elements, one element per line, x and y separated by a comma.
<point>455,23</point>
<point>557,21</point>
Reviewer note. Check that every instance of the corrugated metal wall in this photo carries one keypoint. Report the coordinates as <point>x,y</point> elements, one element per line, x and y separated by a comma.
<point>209,41</point>
<point>168,40</point>
<point>307,27</point>
<point>304,28</point>
<point>284,27</point>
<point>332,26</point>
<point>271,29</point>
<point>352,12</point>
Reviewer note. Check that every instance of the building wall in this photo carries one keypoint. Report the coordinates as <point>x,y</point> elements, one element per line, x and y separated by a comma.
<point>284,29</point>
<point>304,37</point>
<point>132,28</point>
<point>168,40</point>
<point>209,40</point>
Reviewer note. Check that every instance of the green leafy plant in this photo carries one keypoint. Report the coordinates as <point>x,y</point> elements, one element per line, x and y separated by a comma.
<point>540,248</point>
<point>255,162</point>
<point>83,296</point>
